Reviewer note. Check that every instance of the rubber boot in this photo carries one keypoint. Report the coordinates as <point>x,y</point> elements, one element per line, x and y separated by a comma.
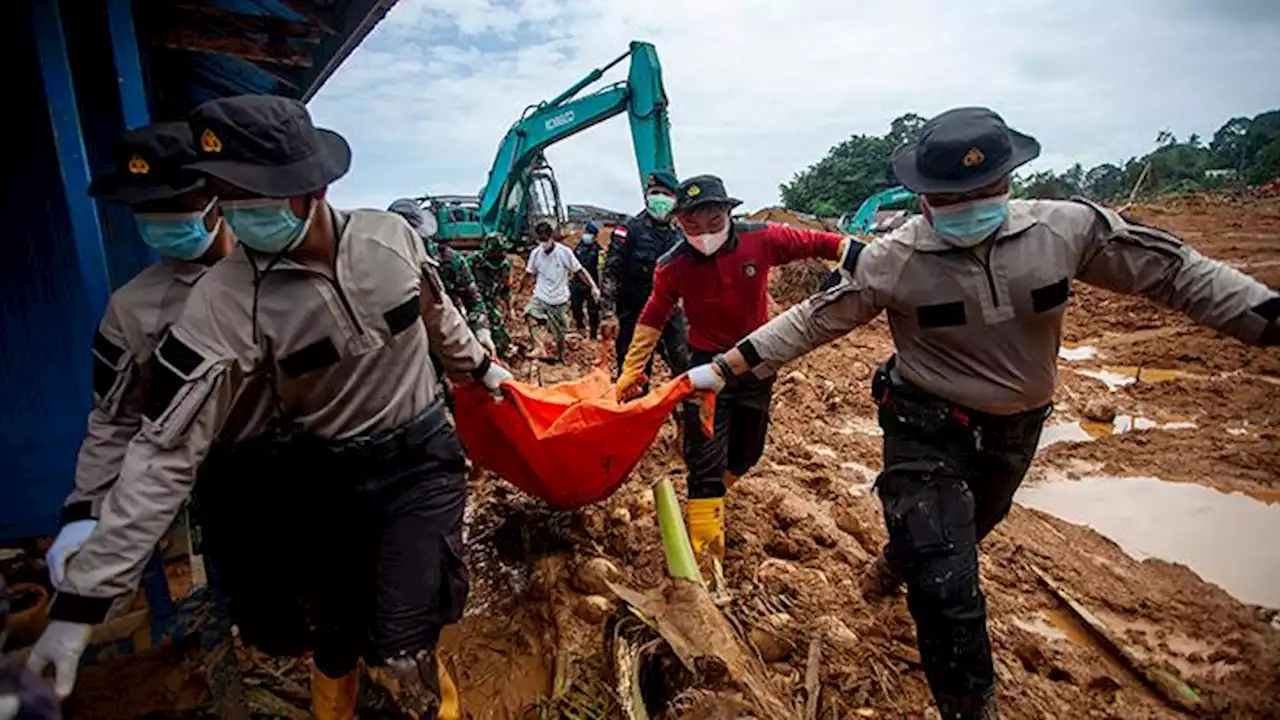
<point>880,580</point>
<point>333,698</point>
<point>450,699</point>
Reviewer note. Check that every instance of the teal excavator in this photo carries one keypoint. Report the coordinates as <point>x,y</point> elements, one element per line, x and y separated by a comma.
<point>863,220</point>
<point>522,187</point>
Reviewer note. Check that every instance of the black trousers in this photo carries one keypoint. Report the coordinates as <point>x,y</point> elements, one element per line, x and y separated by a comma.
<point>673,345</point>
<point>364,558</point>
<point>946,483</point>
<point>741,427</point>
<point>580,299</point>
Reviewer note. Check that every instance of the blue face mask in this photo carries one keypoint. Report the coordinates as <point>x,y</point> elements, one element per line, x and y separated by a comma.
<point>267,225</point>
<point>969,223</point>
<point>177,235</point>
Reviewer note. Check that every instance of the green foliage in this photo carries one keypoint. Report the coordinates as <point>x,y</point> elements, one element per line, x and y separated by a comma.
<point>851,171</point>
<point>1242,150</point>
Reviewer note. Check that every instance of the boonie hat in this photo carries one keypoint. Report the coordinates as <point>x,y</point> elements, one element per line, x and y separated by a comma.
<point>266,145</point>
<point>962,150</point>
<point>149,165</point>
<point>703,190</point>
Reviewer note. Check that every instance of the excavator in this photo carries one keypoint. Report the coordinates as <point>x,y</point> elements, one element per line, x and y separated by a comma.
<point>863,221</point>
<point>522,188</point>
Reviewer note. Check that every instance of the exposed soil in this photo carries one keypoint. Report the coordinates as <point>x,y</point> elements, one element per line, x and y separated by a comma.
<point>804,525</point>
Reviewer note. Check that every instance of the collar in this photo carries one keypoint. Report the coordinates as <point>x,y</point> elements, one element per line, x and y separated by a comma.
<point>185,271</point>
<point>1019,220</point>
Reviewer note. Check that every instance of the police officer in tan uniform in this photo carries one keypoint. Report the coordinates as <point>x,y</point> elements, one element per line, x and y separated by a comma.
<point>177,216</point>
<point>312,337</point>
<point>976,290</point>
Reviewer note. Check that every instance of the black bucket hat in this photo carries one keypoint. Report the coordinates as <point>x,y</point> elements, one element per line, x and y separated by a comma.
<point>703,190</point>
<point>962,150</point>
<point>149,165</point>
<point>266,145</point>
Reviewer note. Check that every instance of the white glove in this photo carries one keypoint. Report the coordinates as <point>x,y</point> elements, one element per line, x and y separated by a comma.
<point>70,538</point>
<point>61,646</point>
<point>707,377</point>
<point>493,379</point>
<point>485,336</point>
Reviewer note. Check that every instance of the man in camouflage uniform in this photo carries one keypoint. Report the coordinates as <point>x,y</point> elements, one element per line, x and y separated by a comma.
<point>492,272</point>
<point>454,273</point>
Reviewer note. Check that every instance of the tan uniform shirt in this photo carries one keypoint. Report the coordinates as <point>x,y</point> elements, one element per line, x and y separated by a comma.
<point>136,318</point>
<point>982,328</point>
<point>346,349</point>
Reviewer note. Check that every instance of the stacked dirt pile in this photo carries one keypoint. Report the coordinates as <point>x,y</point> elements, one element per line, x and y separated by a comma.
<point>793,218</point>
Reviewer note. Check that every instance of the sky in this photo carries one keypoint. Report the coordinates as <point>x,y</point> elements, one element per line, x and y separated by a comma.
<point>761,89</point>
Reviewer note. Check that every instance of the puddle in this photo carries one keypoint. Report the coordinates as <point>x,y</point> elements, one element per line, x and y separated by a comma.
<point>1121,375</point>
<point>1073,352</point>
<point>1231,540</point>
<point>1086,431</point>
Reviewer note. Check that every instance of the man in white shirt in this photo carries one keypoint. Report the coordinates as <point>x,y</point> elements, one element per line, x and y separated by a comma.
<point>551,265</point>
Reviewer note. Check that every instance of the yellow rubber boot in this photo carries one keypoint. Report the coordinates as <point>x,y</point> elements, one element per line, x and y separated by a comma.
<point>706,527</point>
<point>333,698</point>
<point>450,701</point>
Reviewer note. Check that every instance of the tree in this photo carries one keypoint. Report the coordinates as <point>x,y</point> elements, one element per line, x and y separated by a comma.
<point>1104,183</point>
<point>1227,144</point>
<point>850,172</point>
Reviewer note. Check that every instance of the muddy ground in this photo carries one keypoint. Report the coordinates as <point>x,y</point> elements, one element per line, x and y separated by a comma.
<point>803,526</point>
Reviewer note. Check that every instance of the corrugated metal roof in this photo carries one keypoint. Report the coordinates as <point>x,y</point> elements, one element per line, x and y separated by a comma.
<point>196,50</point>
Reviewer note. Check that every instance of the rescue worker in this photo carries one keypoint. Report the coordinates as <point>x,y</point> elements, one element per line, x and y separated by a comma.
<point>720,271</point>
<point>310,343</point>
<point>976,289</point>
<point>177,216</point>
<point>456,275</point>
<point>580,296</point>
<point>634,249</point>
<point>550,266</point>
<point>492,272</point>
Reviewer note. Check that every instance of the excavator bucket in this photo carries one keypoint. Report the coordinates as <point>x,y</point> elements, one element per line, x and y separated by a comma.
<point>568,445</point>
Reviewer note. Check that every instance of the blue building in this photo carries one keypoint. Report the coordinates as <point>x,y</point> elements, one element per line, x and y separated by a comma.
<point>80,72</point>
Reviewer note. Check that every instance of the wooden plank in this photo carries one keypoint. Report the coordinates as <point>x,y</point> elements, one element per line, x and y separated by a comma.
<point>218,21</point>
<point>1170,687</point>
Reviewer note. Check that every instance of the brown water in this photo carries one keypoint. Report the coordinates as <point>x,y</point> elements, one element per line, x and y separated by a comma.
<point>1231,540</point>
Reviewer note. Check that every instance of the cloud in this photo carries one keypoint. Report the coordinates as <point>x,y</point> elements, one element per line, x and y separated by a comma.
<point>760,89</point>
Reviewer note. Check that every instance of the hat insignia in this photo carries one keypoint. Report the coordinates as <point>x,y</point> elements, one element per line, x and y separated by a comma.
<point>210,142</point>
<point>694,191</point>
<point>973,158</point>
<point>138,165</point>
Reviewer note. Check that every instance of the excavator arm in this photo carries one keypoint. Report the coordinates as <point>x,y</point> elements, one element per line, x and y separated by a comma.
<point>641,96</point>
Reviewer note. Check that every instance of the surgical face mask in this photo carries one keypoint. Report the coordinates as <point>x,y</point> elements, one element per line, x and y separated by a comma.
<point>967,224</point>
<point>660,205</point>
<point>709,243</point>
<point>177,235</point>
<point>588,238</point>
<point>267,225</point>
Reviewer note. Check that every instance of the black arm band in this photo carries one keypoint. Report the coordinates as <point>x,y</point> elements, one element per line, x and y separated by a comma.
<point>750,354</point>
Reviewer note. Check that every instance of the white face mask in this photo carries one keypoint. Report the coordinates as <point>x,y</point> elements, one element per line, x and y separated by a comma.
<point>709,243</point>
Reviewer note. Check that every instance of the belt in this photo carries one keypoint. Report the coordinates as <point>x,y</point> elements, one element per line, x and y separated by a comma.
<point>389,444</point>
<point>889,385</point>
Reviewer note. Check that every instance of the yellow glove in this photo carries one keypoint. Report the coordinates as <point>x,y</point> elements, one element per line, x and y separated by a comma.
<point>706,527</point>
<point>631,378</point>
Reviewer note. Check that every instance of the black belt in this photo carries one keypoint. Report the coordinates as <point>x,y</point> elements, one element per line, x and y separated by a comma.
<point>393,443</point>
<point>896,394</point>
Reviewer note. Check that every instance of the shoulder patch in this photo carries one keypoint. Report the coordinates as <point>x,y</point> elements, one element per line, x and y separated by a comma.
<point>176,361</point>
<point>402,316</point>
<point>849,263</point>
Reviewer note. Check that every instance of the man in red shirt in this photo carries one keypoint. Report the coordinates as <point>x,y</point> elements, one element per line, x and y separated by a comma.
<point>721,272</point>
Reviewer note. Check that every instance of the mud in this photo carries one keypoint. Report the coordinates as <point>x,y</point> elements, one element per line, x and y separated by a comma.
<point>804,525</point>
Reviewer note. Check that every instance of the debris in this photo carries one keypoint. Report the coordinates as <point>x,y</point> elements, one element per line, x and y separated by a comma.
<point>593,576</point>
<point>812,680</point>
<point>593,608</point>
